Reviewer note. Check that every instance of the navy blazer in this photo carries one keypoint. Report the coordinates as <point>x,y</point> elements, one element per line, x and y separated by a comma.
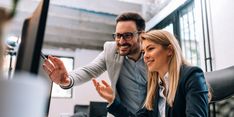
<point>191,98</point>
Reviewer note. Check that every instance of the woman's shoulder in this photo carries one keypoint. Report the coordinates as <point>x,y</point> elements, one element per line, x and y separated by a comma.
<point>191,77</point>
<point>187,70</point>
<point>189,74</point>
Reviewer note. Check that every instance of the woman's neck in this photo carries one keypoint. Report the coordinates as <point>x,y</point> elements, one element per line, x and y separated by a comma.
<point>162,72</point>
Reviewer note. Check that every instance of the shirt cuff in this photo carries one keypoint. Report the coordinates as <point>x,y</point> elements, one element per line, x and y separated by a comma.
<point>70,85</point>
<point>110,103</point>
<point>111,106</point>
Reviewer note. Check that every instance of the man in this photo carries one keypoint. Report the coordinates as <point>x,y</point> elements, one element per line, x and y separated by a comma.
<point>122,60</point>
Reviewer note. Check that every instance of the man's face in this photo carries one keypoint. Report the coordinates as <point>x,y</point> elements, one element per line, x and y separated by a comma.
<point>127,38</point>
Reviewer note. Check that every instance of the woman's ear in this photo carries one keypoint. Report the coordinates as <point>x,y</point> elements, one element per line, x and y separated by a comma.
<point>170,50</point>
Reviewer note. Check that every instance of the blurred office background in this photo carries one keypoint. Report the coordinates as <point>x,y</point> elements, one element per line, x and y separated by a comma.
<point>77,29</point>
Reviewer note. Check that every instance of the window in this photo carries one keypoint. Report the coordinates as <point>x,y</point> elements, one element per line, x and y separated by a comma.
<point>182,23</point>
<point>188,38</point>
<point>57,91</point>
<point>169,28</point>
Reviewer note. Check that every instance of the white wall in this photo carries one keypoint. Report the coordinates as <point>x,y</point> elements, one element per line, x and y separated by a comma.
<point>222,32</point>
<point>81,94</point>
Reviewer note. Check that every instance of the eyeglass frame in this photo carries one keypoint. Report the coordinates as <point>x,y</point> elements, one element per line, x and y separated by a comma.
<point>124,36</point>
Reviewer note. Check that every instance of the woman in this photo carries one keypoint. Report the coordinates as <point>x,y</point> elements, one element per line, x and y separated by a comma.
<point>175,89</point>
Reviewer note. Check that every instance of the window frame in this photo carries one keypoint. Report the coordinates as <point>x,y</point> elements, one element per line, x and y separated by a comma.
<point>60,89</point>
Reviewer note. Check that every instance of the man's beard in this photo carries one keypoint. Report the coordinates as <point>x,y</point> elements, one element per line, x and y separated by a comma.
<point>131,50</point>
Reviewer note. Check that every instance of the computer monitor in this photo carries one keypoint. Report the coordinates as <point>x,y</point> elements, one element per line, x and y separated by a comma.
<point>28,55</point>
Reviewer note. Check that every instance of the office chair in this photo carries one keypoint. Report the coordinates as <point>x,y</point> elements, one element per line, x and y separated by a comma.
<point>81,111</point>
<point>97,109</point>
<point>221,83</point>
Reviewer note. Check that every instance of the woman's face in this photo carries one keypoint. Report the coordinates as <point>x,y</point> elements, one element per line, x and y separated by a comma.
<point>155,56</point>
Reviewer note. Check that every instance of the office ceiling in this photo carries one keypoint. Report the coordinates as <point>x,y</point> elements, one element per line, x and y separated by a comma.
<point>81,23</point>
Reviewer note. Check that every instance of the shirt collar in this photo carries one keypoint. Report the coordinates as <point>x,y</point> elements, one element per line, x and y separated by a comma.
<point>166,79</point>
<point>141,57</point>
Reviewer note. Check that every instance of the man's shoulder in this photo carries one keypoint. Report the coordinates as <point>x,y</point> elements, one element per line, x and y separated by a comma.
<point>110,51</point>
<point>110,44</point>
<point>110,47</point>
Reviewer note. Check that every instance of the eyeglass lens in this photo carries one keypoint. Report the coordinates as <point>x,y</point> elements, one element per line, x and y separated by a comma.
<point>127,35</point>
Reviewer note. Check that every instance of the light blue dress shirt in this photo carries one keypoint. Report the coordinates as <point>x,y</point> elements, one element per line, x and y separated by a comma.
<point>132,84</point>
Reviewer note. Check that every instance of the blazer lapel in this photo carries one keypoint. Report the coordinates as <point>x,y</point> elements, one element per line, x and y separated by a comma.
<point>167,110</point>
<point>156,103</point>
<point>115,70</point>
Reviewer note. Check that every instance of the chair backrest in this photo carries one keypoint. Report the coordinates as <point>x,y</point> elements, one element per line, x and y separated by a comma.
<point>221,83</point>
<point>97,109</point>
<point>81,108</point>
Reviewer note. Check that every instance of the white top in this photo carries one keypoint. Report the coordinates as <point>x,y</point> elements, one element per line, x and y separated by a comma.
<point>162,97</point>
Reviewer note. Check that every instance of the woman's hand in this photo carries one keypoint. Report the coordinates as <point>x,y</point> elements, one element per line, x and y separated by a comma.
<point>104,90</point>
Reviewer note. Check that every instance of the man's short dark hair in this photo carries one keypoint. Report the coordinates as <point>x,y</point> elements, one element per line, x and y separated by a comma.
<point>130,16</point>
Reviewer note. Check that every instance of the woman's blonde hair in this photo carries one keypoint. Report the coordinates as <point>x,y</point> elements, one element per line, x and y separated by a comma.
<point>165,39</point>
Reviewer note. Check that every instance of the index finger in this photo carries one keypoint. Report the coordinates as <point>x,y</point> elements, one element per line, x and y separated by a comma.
<point>57,62</point>
<point>48,63</point>
<point>95,83</point>
<point>105,83</point>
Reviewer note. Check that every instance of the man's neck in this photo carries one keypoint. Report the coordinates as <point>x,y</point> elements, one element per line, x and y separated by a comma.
<point>135,57</point>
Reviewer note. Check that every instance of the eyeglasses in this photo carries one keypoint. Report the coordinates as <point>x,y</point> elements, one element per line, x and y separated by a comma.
<point>125,36</point>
